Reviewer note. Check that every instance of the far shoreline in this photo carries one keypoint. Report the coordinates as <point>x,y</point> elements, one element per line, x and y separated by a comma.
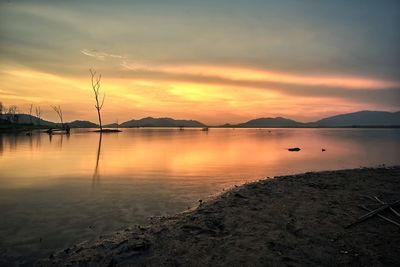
<point>42,129</point>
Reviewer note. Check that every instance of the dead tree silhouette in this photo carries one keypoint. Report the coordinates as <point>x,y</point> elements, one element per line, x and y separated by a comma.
<point>30,113</point>
<point>59,112</point>
<point>38,114</point>
<point>96,89</point>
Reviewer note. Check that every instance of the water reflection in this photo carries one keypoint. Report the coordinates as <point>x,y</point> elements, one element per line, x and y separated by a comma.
<point>96,174</point>
<point>160,154</point>
<point>1,144</point>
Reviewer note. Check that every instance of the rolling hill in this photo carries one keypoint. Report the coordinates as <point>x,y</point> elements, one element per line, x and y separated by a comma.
<point>161,122</point>
<point>270,123</point>
<point>361,118</point>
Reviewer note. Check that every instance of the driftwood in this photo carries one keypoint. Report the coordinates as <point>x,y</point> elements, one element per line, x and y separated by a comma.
<point>381,216</point>
<point>372,213</point>
<point>375,198</point>
<point>392,209</point>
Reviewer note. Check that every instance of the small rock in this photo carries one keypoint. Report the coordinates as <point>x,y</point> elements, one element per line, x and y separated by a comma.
<point>239,195</point>
<point>294,149</point>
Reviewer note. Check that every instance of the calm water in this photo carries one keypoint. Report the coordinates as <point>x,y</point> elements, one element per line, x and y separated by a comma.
<point>64,189</point>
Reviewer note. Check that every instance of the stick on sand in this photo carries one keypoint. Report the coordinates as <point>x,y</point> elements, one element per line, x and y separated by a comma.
<point>381,216</point>
<point>373,213</point>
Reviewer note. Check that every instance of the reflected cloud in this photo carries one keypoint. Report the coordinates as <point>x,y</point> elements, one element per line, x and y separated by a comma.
<point>170,155</point>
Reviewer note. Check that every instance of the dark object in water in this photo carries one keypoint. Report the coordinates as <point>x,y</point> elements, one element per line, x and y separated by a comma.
<point>323,149</point>
<point>64,130</point>
<point>294,149</point>
<point>205,129</point>
<point>108,131</point>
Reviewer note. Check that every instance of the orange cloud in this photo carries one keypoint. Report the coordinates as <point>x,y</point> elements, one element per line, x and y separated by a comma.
<point>208,101</point>
<point>250,74</point>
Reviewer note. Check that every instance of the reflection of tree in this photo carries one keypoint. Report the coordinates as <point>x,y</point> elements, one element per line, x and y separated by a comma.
<point>60,143</point>
<point>39,141</point>
<point>96,174</point>
<point>30,140</point>
<point>1,143</point>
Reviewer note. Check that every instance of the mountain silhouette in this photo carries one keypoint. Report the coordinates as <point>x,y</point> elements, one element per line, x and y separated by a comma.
<point>26,119</point>
<point>161,122</point>
<point>361,118</point>
<point>82,124</point>
<point>270,122</point>
<point>356,119</point>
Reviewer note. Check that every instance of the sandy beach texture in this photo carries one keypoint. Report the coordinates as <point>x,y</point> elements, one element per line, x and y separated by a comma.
<point>297,220</point>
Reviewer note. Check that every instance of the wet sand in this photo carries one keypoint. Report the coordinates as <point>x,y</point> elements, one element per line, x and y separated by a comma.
<point>297,220</point>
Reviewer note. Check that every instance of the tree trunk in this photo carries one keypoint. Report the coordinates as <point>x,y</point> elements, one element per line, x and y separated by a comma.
<point>101,126</point>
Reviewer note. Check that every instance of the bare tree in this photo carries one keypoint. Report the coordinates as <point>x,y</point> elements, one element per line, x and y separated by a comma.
<point>12,113</point>
<point>58,110</point>
<point>38,113</point>
<point>2,108</point>
<point>30,113</point>
<point>96,89</point>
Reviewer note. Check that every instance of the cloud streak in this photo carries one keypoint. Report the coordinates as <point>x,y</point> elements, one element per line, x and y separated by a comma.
<point>358,89</point>
<point>264,76</point>
<point>99,54</point>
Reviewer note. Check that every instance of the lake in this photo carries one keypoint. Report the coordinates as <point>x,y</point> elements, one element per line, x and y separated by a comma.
<point>58,190</point>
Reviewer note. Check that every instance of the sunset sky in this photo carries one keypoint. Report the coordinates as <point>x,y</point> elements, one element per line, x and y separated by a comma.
<point>213,61</point>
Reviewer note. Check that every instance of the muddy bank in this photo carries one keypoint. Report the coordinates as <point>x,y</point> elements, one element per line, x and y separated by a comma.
<point>297,220</point>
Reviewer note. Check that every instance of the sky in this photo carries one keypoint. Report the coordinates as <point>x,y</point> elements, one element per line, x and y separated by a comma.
<point>213,61</point>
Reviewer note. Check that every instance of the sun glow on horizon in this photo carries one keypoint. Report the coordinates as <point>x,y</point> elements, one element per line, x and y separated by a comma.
<point>207,101</point>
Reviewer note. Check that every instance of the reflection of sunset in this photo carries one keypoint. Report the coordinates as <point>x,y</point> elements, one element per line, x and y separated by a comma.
<point>156,153</point>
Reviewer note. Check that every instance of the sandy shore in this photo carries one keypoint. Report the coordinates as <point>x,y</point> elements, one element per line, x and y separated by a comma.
<point>297,220</point>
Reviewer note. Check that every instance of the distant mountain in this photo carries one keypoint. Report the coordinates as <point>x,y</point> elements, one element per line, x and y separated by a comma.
<point>268,123</point>
<point>361,118</point>
<point>161,122</point>
<point>356,119</point>
<point>26,119</point>
<point>82,124</point>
